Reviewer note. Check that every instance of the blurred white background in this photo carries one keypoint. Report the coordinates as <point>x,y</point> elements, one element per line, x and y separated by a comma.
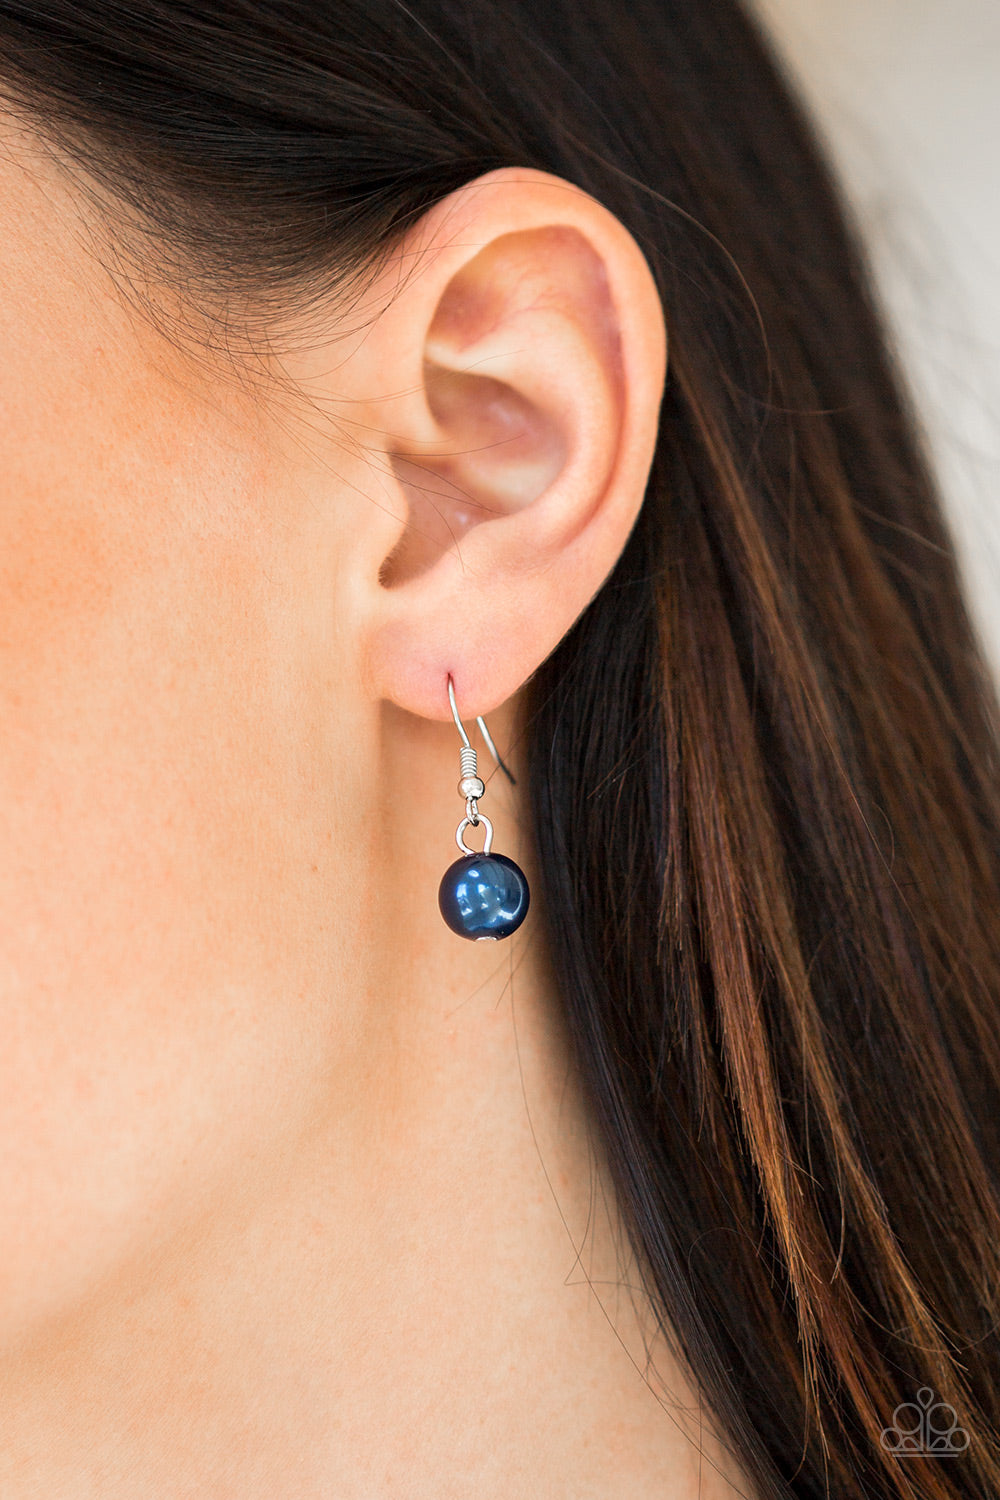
<point>907,95</point>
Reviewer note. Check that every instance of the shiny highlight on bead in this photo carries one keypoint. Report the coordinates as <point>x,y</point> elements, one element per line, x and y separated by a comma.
<point>484,896</point>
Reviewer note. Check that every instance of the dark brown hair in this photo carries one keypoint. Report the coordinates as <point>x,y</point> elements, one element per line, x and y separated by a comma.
<point>763,765</point>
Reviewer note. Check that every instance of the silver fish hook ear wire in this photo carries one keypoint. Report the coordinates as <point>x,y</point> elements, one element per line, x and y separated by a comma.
<point>482,896</point>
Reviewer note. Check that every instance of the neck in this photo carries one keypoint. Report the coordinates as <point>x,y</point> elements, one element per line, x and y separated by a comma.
<point>415,1272</point>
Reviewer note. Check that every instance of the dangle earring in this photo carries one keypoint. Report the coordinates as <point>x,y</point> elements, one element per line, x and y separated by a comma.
<point>482,896</point>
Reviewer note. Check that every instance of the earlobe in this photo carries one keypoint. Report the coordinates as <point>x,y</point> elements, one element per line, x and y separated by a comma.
<point>542,361</point>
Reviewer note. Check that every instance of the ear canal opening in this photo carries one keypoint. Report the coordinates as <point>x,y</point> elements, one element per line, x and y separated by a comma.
<point>438,515</point>
<point>504,455</point>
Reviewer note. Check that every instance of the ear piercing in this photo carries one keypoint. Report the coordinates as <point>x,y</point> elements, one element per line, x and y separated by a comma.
<point>482,896</point>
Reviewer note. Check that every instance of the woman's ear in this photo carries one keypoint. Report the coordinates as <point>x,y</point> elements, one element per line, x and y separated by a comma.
<point>514,376</point>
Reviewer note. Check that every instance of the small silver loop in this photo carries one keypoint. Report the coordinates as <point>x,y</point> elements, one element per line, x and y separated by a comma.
<point>467,823</point>
<point>472,812</point>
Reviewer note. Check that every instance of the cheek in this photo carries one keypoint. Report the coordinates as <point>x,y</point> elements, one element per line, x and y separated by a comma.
<point>150,934</point>
<point>136,848</point>
<point>104,1074</point>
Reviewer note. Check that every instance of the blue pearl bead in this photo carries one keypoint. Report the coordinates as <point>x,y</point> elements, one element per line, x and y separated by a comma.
<point>484,896</point>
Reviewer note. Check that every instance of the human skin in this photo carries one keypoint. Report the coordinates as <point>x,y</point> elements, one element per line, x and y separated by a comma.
<point>298,1195</point>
